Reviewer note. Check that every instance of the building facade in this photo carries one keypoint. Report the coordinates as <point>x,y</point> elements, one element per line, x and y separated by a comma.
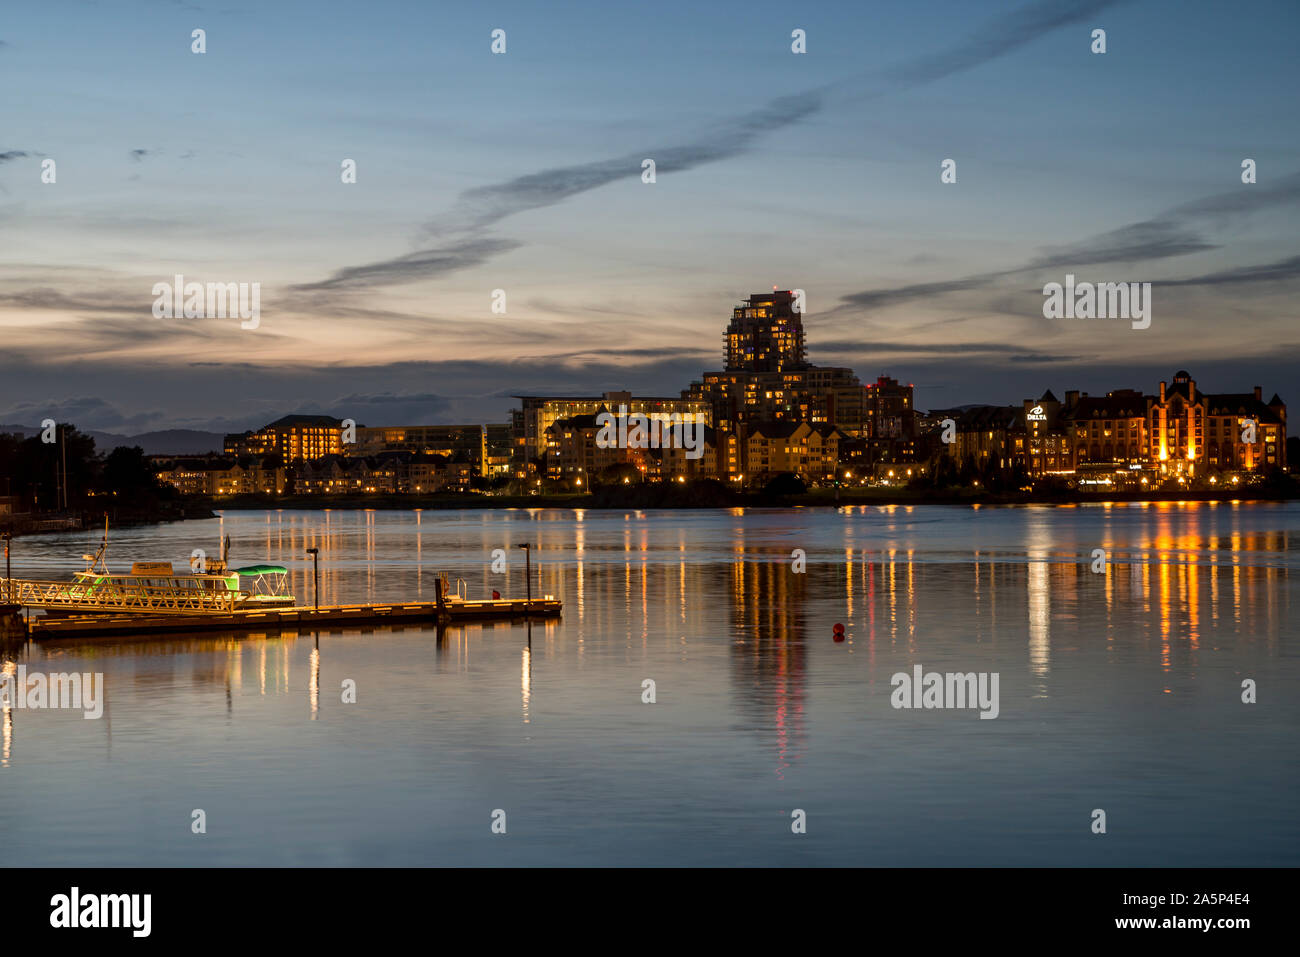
<point>538,413</point>
<point>295,438</point>
<point>1177,433</point>
<point>767,378</point>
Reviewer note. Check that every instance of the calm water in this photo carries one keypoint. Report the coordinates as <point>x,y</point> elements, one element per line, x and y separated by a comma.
<point>1119,691</point>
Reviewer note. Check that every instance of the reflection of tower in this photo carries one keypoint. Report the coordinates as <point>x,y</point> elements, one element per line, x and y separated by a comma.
<point>768,659</point>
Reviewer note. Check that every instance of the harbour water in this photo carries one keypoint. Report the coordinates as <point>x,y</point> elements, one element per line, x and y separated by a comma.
<point>1120,690</point>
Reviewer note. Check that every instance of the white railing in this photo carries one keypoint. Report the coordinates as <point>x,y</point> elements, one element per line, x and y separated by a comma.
<point>113,593</point>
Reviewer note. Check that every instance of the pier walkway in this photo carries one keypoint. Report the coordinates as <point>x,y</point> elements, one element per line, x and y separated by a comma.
<point>296,618</point>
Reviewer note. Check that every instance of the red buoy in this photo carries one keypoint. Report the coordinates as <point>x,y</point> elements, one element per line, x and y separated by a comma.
<point>839,632</point>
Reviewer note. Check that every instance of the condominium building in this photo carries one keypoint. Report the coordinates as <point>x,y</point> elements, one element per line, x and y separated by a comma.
<point>767,378</point>
<point>294,437</point>
<point>539,412</point>
<point>811,451</point>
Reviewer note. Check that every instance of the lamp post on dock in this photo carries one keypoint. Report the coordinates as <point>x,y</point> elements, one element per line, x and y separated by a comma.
<point>528,570</point>
<point>315,565</point>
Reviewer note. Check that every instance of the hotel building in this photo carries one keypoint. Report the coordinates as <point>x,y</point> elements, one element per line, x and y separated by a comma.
<point>1178,433</point>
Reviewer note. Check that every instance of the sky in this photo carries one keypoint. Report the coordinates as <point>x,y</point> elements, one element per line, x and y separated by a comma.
<point>522,172</point>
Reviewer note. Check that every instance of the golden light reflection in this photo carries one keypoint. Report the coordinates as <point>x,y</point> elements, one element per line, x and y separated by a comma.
<point>314,683</point>
<point>7,744</point>
<point>1039,605</point>
<point>526,680</point>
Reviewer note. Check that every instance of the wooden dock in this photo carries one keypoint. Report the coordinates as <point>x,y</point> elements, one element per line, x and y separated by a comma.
<point>297,618</point>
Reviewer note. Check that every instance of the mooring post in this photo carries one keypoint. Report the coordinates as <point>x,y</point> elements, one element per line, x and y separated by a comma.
<point>440,583</point>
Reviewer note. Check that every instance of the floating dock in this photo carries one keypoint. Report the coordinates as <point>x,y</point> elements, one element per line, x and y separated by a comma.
<point>296,618</point>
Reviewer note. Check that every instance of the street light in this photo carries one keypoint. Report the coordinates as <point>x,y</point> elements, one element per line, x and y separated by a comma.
<point>315,564</point>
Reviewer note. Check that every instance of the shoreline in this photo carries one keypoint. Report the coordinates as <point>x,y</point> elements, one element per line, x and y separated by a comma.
<point>655,498</point>
<point>665,498</point>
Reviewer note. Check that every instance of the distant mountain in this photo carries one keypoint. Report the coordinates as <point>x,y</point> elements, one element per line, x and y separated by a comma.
<point>164,442</point>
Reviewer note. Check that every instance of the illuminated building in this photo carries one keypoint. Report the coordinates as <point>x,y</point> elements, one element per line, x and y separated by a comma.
<point>986,436</point>
<point>572,452</point>
<point>765,335</point>
<point>488,447</point>
<point>1192,431</point>
<point>294,437</point>
<point>219,477</point>
<point>539,412</point>
<point>810,451</point>
<point>1108,430</point>
<point>766,377</point>
<point>1179,433</point>
<point>890,420</point>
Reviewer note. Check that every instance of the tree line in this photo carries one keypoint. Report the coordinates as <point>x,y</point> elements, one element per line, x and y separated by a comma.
<point>68,474</point>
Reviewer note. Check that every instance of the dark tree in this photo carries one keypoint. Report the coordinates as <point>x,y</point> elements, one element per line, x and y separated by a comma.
<point>127,475</point>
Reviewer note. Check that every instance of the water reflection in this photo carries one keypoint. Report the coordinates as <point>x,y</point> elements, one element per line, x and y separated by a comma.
<point>526,678</point>
<point>313,693</point>
<point>741,648</point>
<point>6,746</point>
<point>1039,607</point>
<point>769,651</point>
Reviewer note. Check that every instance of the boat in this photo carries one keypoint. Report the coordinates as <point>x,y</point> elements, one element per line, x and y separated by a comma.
<point>156,588</point>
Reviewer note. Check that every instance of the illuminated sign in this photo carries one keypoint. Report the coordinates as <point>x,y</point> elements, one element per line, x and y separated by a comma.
<point>1036,414</point>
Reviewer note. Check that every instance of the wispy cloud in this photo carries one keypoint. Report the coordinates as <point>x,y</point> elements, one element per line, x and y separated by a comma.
<point>997,38</point>
<point>1179,231</point>
<point>486,205</point>
<point>424,264</point>
<point>1281,271</point>
<point>479,208</point>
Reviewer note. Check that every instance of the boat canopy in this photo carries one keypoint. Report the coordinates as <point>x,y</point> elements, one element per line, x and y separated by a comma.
<point>250,570</point>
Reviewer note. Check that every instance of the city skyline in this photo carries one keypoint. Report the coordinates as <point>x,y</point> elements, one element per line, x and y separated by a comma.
<point>522,172</point>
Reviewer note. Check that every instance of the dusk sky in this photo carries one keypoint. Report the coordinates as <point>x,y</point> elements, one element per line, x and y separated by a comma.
<point>522,172</point>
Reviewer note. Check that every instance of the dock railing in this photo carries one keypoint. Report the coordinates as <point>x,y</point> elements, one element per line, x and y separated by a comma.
<point>110,593</point>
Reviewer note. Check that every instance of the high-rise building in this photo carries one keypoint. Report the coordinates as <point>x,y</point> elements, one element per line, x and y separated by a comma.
<point>766,334</point>
<point>768,379</point>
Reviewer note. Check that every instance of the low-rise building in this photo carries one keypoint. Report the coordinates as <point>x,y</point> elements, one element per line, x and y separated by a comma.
<point>810,451</point>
